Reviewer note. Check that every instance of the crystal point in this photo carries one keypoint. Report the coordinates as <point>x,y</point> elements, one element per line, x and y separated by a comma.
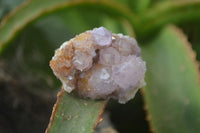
<point>102,36</point>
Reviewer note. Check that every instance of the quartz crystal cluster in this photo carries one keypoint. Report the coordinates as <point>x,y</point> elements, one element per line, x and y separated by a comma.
<point>99,64</point>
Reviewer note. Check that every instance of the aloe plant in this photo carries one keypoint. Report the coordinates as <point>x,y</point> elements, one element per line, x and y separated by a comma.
<point>30,33</point>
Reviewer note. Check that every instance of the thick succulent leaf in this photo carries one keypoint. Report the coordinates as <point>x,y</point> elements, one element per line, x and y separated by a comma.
<point>177,12</point>
<point>72,114</point>
<point>23,15</point>
<point>33,10</point>
<point>144,24</point>
<point>172,93</point>
<point>136,6</point>
<point>139,5</point>
<point>193,32</point>
<point>7,5</point>
<point>154,2</point>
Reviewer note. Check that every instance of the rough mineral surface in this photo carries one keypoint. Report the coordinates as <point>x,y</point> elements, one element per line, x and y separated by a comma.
<point>99,64</point>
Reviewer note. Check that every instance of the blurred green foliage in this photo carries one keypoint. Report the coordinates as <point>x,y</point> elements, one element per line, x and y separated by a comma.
<point>30,31</point>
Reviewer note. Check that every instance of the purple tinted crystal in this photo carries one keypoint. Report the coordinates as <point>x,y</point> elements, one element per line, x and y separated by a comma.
<point>102,36</point>
<point>129,73</point>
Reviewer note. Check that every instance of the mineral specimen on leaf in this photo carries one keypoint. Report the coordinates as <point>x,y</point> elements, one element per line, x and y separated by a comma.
<point>99,64</point>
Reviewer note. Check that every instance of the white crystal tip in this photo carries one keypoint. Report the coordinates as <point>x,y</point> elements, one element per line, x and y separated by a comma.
<point>99,64</point>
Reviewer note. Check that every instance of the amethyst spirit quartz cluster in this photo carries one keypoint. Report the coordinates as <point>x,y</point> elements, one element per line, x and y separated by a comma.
<point>99,64</point>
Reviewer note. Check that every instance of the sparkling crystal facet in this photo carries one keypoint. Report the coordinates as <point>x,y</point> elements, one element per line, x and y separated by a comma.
<point>109,56</point>
<point>102,36</point>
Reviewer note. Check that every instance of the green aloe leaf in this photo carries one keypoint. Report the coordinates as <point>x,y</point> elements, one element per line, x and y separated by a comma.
<point>193,32</point>
<point>172,94</point>
<point>163,13</point>
<point>74,115</point>
<point>139,5</point>
<point>33,10</point>
<point>8,5</point>
<point>136,6</point>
